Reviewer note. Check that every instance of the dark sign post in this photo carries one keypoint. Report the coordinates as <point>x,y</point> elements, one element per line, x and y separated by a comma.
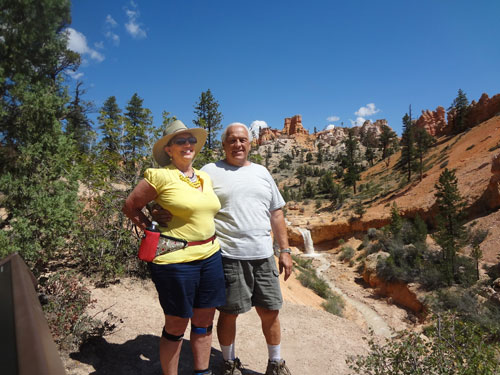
<point>26,344</point>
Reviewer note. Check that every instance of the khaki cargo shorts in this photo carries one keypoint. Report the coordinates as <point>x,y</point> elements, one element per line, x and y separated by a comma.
<point>251,283</point>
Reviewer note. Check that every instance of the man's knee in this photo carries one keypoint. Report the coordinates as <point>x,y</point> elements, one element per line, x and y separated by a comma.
<point>266,313</point>
<point>227,318</point>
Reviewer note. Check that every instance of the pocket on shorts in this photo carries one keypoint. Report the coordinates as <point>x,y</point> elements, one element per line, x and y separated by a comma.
<point>230,279</point>
<point>276,273</point>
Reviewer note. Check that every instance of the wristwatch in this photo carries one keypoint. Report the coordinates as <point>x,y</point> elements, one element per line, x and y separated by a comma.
<point>287,250</point>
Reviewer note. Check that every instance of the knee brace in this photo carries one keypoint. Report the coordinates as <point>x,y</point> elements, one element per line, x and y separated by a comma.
<point>201,330</point>
<point>170,337</point>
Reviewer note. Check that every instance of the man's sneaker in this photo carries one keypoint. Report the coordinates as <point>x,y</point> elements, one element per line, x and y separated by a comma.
<point>232,367</point>
<point>277,368</point>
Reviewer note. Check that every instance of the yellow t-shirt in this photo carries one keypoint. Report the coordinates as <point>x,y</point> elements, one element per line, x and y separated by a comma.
<point>193,212</point>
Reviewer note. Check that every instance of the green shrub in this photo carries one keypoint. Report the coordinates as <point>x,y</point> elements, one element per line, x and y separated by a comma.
<point>346,253</point>
<point>450,347</point>
<point>305,263</point>
<point>371,233</point>
<point>413,232</point>
<point>67,300</point>
<point>470,305</point>
<point>374,247</point>
<point>334,304</point>
<point>106,245</point>
<point>469,148</point>
<point>311,280</point>
<point>404,263</point>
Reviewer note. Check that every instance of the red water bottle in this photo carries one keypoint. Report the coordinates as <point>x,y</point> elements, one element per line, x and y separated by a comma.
<point>149,243</point>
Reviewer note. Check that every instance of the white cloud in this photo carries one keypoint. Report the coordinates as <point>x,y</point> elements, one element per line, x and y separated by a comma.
<point>369,110</point>
<point>333,118</point>
<point>99,45</point>
<point>132,26</point>
<point>330,126</point>
<point>115,38</point>
<point>255,127</point>
<point>111,21</point>
<point>77,42</point>
<point>358,122</point>
<point>74,75</point>
<point>109,24</point>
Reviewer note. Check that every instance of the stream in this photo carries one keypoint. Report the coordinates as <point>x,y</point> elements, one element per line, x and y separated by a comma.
<point>373,320</point>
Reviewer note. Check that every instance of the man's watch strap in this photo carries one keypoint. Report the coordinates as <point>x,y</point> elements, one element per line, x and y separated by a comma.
<point>287,250</point>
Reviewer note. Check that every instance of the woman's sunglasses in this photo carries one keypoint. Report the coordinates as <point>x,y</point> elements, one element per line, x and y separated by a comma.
<point>183,141</point>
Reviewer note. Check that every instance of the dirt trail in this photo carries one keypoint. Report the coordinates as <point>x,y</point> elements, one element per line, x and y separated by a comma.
<point>313,341</point>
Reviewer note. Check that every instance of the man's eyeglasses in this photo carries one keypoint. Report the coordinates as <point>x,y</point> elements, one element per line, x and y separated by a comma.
<point>183,141</point>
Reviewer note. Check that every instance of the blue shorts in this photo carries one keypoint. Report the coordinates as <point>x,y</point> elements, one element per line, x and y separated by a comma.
<point>184,286</point>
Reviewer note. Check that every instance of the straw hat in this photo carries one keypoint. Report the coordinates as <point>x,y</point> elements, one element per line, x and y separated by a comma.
<point>171,130</point>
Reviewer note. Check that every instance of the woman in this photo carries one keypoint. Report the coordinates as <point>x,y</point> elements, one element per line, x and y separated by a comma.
<point>189,281</point>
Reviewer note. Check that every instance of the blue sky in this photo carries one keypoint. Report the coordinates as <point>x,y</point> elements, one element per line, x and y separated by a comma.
<point>331,61</point>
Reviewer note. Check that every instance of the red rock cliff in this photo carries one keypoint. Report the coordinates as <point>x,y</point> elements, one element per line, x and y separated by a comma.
<point>434,122</point>
<point>293,125</point>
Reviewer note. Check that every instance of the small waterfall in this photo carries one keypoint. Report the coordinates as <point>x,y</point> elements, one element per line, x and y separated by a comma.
<point>308,243</point>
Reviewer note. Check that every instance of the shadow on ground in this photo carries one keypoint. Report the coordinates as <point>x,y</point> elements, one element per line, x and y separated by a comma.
<point>139,357</point>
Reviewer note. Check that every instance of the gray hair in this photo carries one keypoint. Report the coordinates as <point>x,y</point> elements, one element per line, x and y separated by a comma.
<point>224,133</point>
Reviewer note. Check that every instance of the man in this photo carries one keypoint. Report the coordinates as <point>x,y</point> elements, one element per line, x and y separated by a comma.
<point>251,206</point>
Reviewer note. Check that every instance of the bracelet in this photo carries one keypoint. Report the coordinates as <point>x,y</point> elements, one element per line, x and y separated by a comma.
<point>287,250</point>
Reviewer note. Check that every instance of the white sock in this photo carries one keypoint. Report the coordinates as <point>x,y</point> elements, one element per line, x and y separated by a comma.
<point>274,352</point>
<point>227,352</point>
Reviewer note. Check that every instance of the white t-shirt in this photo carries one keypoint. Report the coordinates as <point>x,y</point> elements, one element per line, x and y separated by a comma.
<point>247,195</point>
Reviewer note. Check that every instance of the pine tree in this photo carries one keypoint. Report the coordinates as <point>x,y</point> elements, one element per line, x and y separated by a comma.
<point>37,173</point>
<point>386,139</point>
<point>396,220</point>
<point>451,231</point>
<point>309,191</point>
<point>78,125</point>
<point>111,126</point>
<point>319,156</point>
<point>423,141</point>
<point>460,106</point>
<point>325,183</point>
<point>370,155</point>
<point>408,154</point>
<point>351,176</point>
<point>208,117</point>
<point>167,119</point>
<point>139,136</point>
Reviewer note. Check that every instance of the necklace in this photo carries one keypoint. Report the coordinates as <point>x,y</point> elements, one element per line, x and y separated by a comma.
<point>193,181</point>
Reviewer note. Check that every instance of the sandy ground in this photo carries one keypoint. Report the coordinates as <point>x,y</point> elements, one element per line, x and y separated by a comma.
<point>313,341</point>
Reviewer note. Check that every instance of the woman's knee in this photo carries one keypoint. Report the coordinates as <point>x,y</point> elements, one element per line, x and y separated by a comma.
<point>203,317</point>
<point>175,325</point>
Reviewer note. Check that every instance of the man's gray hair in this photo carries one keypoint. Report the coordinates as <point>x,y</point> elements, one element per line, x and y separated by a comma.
<point>224,133</point>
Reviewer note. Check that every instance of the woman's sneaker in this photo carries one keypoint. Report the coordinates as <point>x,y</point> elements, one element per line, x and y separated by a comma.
<point>277,368</point>
<point>232,367</point>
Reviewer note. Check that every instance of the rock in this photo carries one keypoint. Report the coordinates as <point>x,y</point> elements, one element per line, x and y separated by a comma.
<point>434,122</point>
<point>333,136</point>
<point>483,110</point>
<point>491,196</point>
<point>293,125</point>
<point>496,284</point>
<point>437,125</point>
<point>398,292</point>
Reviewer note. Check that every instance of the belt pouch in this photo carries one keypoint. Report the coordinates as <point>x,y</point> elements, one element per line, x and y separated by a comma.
<point>149,245</point>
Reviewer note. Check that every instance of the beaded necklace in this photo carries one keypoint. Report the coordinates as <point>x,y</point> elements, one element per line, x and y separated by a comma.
<point>193,181</point>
